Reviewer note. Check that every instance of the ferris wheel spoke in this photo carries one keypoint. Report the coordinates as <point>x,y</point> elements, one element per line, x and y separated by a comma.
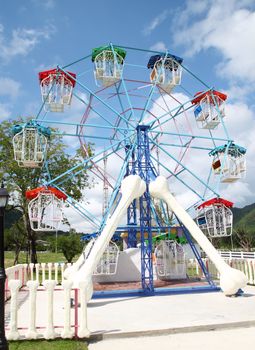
<point>78,207</point>
<point>116,128</point>
<point>186,168</point>
<point>85,164</point>
<point>127,96</point>
<point>97,98</point>
<point>93,109</point>
<point>147,103</point>
<point>175,112</point>
<point>190,135</point>
<point>178,178</point>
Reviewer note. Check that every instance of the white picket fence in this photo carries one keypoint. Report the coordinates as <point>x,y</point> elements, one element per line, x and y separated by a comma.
<point>236,254</point>
<point>45,310</point>
<point>38,272</point>
<point>245,265</point>
<point>40,305</point>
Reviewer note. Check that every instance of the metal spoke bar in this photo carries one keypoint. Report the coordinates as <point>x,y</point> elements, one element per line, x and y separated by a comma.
<point>187,169</point>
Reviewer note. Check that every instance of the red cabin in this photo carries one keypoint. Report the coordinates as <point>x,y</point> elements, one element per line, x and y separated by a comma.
<point>209,108</point>
<point>31,194</point>
<point>56,89</point>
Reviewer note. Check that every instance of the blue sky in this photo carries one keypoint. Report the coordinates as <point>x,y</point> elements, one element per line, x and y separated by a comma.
<point>215,38</point>
<point>36,34</point>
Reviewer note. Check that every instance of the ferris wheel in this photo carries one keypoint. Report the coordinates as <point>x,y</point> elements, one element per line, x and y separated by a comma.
<point>145,113</point>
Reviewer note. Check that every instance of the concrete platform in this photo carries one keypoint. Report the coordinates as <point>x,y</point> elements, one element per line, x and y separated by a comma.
<point>131,317</point>
<point>231,339</point>
<point>191,321</point>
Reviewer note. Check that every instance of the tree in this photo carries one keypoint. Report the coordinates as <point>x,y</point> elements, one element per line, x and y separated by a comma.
<point>19,180</point>
<point>70,246</point>
<point>244,238</point>
<point>15,239</point>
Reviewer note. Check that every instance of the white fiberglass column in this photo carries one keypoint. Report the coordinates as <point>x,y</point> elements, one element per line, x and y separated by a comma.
<point>50,331</point>
<point>67,330</point>
<point>231,280</point>
<point>32,332</point>
<point>131,187</point>
<point>14,286</point>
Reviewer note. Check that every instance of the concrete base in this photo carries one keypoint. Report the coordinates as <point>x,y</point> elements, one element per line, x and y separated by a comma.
<point>170,314</point>
<point>226,339</point>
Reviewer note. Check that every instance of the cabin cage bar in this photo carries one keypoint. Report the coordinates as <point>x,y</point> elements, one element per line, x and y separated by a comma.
<point>30,143</point>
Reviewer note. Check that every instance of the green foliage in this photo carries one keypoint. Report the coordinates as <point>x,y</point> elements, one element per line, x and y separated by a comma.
<point>11,216</point>
<point>19,180</point>
<point>244,227</point>
<point>244,239</point>
<point>43,257</point>
<point>70,246</point>
<point>244,218</point>
<point>13,237</point>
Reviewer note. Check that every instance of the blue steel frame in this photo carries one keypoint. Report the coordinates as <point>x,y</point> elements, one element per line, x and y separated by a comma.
<point>146,171</point>
<point>132,209</point>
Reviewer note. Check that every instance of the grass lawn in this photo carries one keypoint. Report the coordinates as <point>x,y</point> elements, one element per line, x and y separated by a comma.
<point>48,344</point>
<point>42,257</point>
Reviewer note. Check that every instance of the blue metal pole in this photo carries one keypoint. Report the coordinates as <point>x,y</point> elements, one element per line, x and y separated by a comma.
<point>131,212</point>
<point>124,85</point>
<point>85,162</point>
<point>145,170</point>
<point>189,135</point>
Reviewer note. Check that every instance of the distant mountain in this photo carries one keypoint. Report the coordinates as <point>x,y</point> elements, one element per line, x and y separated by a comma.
<point>245,217</point>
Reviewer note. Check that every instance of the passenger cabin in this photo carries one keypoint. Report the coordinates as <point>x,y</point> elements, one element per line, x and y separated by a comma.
<point>170,260</point>
<point>108,63</point>
<point>166,71</point>
<point>45,208</point>
<point>56,89</point>
<point>215,218</point>
<point>209,108</point>
<point>30,144</point>
<point>108,263</point>
<point>229,162</point>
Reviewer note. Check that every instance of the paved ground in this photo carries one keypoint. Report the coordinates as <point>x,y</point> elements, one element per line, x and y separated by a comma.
<point>176,322</point>
<point>234,339</point>
<point>111,317</point>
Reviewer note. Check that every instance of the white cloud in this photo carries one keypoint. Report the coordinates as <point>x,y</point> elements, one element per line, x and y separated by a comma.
<point>9,87</point>
<point>228,27</point>
<point>22,41</point>
<point>5,111</point>
<point>156,21</point>
<point>47,4</point>
<point>159,46</point>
